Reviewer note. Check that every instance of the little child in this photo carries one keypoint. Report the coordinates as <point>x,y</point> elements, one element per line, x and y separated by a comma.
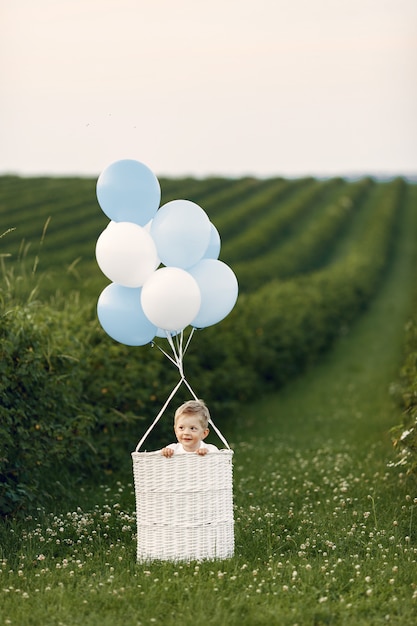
<point>191,428</point>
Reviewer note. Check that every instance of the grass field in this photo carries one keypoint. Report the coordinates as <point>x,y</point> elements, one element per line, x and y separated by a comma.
<point>325,529</point>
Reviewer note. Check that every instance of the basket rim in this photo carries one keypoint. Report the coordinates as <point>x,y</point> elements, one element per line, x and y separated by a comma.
<point>157,453</point>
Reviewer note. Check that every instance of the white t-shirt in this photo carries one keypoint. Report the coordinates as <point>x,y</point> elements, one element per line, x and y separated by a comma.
<point>178,448</point>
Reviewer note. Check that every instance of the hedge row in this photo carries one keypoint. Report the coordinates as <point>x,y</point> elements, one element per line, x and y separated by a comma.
<point>313,244</point>
<point>69,400</point>
<point>274,224</point>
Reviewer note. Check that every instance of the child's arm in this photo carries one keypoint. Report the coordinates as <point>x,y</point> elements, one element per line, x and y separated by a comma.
<point>168,452</point>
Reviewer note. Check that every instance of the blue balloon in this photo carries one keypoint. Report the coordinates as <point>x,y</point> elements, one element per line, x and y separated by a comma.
<point>219,289</point>
<point>128,191</point>
<point>121,315</point>
<point>213,249</point>
<point>181,231</point>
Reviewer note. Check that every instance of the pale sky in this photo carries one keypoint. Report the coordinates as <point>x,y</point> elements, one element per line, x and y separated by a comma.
<point>216,87</point>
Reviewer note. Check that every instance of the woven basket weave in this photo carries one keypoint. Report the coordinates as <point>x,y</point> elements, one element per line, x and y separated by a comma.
<point>184,506</point>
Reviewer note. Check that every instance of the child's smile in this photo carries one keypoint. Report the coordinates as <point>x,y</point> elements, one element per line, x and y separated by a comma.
<point>189,432</point>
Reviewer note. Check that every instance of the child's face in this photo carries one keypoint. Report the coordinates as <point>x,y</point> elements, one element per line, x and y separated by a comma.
<point>190,432</point>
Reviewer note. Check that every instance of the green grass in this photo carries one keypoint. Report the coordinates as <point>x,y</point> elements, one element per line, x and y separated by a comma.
<point>325,529</point>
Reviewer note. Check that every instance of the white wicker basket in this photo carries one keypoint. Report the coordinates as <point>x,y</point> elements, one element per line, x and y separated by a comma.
<point>184,505</point>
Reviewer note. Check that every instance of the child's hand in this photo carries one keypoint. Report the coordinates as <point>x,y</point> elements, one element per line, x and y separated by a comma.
<point>201,451</point>
<point>168,452</point>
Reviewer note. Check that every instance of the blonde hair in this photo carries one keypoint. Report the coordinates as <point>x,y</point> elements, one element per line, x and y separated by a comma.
<point>194,407</point>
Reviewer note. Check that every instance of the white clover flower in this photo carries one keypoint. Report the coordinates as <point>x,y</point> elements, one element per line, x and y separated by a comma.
<point>405,433</point>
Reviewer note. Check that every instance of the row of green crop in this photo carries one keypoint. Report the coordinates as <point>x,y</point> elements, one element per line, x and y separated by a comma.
<point>314,242</point>
<point>72,204</point>
<point>241,215</point>
<point>305,228</point>
<point>218,200</point>
<point>196,190</point>
<point>72,400</point>
<point>283,326</point>
<point>57,222</point>
<point>276,224</point>
<point>73,217</point>
<point>72,232</point>
<point>220,203</point>
<point>29,202</point>
<point>264,216</point>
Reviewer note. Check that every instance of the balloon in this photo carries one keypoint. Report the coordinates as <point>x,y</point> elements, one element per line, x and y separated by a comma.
<point>128,191</point>
<point>170,298</point>
<point>181,231</point>
<point>147,226</point>
<point>213,249</point>
<point>126,254</point>
<point>219,288</point>
<point>121,315</point>
<point>162,334</point>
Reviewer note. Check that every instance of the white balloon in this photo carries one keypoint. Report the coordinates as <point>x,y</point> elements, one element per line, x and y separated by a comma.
<point>171,298</point>
<point>126,254</point>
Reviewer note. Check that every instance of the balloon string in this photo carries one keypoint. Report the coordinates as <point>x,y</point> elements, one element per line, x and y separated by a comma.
<point>216,430</point>
<point>189,340</point>
<point>158,417</point>
<point>177,352</point>
<point>177,357</point>
<point>165,353</point>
